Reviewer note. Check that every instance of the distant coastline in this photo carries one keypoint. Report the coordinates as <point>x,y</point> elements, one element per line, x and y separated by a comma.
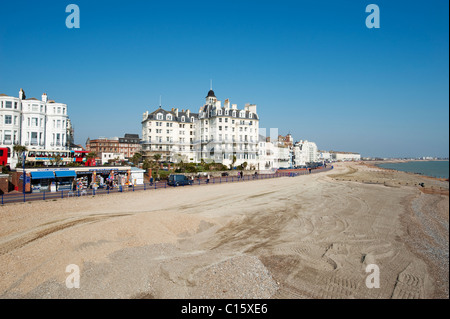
<point>417,167</point>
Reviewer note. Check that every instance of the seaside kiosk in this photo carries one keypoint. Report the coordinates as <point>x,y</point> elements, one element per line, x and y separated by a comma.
<point>65,179</point>
<point>41,181</point>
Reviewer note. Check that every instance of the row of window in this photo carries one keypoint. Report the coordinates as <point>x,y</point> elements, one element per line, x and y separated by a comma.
<point>32,107</point>
<point>8,105</point>
<point>234,113</point>
<point>241,122</point>
<point>169,117</point>
<point>31,138</point>
<point>212,114</point>
<point>32,122</point>
<point>159,131</point>
<point>169,124</point>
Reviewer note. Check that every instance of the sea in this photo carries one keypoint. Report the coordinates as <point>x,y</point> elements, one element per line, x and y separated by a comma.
<point>429,168</point>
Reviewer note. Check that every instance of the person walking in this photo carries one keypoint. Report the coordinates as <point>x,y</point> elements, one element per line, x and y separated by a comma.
<point>242,175</point>
<point>207,179</point>
<point>151,181</point>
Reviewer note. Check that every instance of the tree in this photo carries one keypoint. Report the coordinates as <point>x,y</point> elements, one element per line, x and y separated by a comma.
<point>91,155</point>
<point>57,160</point>
<point>244,165</point>
<point>136,159</point>
<point>157,157</point>
<point>19,149</point>
<point>234,160</point>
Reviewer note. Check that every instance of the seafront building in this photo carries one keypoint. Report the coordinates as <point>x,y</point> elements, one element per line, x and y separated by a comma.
<point>120,147</point>
<point>305,152</point>
<point>345,156</point>
<point>225,133</point>
<point>36,124</point>
<point>219,133</point>
<point>170,134</point>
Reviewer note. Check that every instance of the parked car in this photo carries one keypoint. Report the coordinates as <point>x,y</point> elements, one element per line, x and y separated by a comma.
<point>225,174</point>
<point>179,180</point>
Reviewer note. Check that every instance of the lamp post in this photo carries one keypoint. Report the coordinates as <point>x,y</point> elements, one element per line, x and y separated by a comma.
<point>24,175</point>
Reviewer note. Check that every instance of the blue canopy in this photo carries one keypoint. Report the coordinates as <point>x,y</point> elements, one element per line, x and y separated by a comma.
<point>42,175</point>
<point>66,174</point>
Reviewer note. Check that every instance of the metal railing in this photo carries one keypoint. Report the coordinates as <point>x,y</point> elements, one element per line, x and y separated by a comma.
<point>27,197</point>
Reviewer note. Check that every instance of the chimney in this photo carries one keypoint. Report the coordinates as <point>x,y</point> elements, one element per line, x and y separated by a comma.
<point>22,94</point>
<point>176,112</point>
<point>226,104</point>
<point>234,106</point>
<point>44,98</point>
<point>188,113</point>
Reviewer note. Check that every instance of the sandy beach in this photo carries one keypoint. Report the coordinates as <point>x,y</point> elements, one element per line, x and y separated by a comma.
<point>310,236</point>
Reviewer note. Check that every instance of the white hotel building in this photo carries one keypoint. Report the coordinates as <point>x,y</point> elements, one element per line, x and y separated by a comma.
<point>36,124</point>
<point>217,133</point>
<point>305,152</point>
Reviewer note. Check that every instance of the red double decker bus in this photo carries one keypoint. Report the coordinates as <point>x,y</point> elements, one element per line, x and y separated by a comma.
<point>81,157</point>
<point>3,156</point>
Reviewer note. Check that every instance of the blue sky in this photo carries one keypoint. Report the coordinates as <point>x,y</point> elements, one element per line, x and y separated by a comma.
<point>313,67</point>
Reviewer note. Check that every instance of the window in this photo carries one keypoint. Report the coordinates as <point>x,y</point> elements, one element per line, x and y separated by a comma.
<point>219,112</point>
<point>15,120</point>
<point>15,105</point>
<point>34,140</point>
<point>169,117</point>
<point>8,118</point>
<point>183,119</point>
<point>59,110</point>
<point>7,136</point>
<point>159,116</point>
<point>34,121</point>
<point>35,108</point>
<point>220,119</point>
<point>8,105</point>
